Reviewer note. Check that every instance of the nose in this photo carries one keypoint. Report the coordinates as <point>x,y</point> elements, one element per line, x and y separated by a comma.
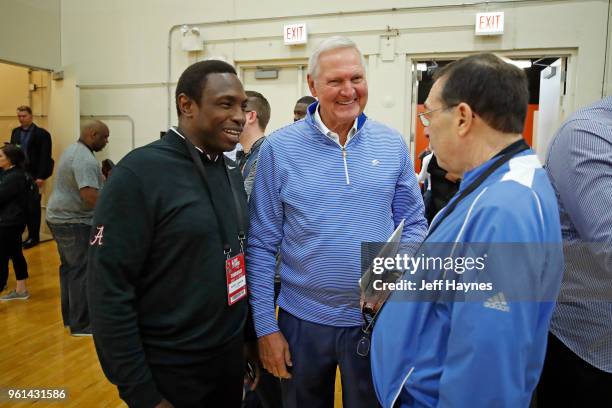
<point>426,131</point>
<point>347,88</point>
<point>238,116</point>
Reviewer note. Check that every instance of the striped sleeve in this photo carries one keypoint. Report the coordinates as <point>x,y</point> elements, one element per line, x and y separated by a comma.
<point>581,172</point>
<point>265,234</point>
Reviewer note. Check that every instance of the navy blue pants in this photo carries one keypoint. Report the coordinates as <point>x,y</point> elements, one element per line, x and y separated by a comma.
<point>316,351</point>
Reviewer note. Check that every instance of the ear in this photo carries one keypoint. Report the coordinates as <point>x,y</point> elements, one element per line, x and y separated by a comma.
<point>311,86</point>
<point>251,117</point>
<point>185,105</point>
<point>465,118</point>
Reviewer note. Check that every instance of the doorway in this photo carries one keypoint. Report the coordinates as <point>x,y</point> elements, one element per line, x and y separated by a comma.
<point>547,86</point>
<point>281,84</point>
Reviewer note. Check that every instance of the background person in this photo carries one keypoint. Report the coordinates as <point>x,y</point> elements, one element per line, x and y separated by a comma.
<point>36,144</point>
<point>69,216</point>
<point>299,110</point>
<point>440,186</point>
<point>13,196</point>
<point>254,133</point>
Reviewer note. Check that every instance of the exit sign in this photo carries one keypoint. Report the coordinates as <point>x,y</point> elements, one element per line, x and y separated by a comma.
<point>295,34</point>
<point>490,23</point>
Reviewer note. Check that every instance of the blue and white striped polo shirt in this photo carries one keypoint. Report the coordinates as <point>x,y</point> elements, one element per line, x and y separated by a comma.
<point>319,201</point>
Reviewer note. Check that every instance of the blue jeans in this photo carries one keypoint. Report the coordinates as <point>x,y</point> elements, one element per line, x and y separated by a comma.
<point>72,244</point>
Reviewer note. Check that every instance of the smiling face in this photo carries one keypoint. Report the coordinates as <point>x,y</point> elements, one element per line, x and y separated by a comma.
<point>220,117</point>
<point>341,87</point>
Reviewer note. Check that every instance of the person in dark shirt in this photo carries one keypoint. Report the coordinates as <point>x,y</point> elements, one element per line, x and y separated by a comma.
<point>299,111</point>
<point>167,289</point>
<point>268,392</point>
<point>442,186</point>
<point>36,144</point>
<point>13,189</point>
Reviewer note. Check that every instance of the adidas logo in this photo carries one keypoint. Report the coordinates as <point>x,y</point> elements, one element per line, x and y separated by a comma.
<point>375,162</point>
<point>497,302</point>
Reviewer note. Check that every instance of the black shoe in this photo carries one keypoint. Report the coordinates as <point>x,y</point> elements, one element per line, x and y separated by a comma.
<point>29,243</point>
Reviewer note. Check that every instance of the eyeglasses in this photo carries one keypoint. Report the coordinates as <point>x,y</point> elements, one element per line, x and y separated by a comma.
<point>363,345</point>
<point>423,116</point>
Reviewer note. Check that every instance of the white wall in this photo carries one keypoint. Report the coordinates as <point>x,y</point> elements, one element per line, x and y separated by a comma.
<point>30,32</point>
<point>608,78</point>
<point>120,48</point>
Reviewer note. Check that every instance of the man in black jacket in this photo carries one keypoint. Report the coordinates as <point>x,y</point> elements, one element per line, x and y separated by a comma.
<point>36,143</point>
<point>167,291</point>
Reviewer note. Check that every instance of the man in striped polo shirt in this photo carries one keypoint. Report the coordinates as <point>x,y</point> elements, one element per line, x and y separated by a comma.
<point>324,185</point>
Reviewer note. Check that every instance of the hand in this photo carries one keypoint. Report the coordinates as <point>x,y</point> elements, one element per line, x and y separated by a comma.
<point>253,373</point>
<point>275,355</point>
<point>40,183</point>
<point>372,302</point>
<point>164,404</point>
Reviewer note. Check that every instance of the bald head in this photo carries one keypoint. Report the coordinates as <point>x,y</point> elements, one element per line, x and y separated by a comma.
<point>94,134</point>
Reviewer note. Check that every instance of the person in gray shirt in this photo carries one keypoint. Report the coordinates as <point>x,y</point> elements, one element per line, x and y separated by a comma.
<point>69,215</point>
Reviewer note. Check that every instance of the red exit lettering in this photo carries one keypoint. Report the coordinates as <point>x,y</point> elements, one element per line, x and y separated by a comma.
<point>489,22</point>
<point>294,33</point>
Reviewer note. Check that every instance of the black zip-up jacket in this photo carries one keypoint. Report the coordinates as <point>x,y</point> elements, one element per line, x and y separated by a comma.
<point>156,270</point>
<point>12,197</point>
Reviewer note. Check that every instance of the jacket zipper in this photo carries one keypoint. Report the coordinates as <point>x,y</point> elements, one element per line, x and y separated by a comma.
<point>399,391</point>
<point>348,181</point>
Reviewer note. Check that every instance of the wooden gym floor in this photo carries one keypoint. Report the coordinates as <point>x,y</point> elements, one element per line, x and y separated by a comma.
<point>36,352</point>
<point>35,349</point>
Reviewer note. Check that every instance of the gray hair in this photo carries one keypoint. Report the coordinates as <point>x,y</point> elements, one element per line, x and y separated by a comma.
<point>332,43</point>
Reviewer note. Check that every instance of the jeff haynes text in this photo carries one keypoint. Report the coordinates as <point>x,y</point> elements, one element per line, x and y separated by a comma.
<point>435,285</point>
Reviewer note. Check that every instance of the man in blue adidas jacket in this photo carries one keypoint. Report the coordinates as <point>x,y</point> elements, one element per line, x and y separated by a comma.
<point>480,351</point>
<point>324,185</point>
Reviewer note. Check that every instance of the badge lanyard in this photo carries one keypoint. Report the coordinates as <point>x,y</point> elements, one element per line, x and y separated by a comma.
<point>363,346</point>
<point>235,270</point>
<point>197,161</point>
<point>503,157</point>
